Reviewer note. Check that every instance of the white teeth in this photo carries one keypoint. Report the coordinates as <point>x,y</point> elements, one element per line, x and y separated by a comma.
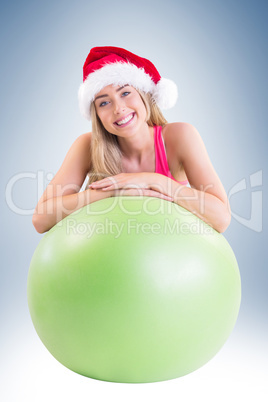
<point>124,121</point>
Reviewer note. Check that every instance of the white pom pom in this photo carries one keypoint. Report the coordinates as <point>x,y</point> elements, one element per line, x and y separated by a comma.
<point>166,93</point>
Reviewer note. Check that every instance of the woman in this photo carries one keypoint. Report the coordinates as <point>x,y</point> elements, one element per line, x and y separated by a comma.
<point>132,150</point>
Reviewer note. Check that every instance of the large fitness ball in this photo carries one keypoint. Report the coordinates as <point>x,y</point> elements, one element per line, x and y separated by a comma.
<point>133,289</point>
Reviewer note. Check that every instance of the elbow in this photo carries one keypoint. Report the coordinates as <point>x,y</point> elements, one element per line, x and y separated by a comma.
<point>222,216</point>
<point>38,224</point>
<point>224,222</point>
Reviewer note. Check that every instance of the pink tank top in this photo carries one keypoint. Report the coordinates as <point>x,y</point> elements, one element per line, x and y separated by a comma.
<point>161,163</point>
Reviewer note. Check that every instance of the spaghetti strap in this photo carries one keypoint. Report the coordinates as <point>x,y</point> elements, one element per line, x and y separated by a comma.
<point>161,163</point>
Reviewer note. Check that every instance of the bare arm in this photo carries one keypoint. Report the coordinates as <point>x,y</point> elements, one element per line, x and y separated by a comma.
<point>62,196</point>
<point>56,208</point>
<point>206,198</point>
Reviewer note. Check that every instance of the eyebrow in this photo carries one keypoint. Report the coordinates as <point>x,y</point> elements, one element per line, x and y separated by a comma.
<point>119,89</point>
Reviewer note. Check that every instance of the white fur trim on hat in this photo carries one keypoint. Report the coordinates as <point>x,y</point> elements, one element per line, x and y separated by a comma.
<point>165,93</point>
<point>122,73</point>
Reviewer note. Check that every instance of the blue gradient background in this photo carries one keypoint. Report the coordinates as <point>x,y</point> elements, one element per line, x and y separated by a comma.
<point>216,53</point>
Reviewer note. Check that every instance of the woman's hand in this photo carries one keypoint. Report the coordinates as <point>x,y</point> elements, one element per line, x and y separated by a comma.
<point>152,181</point>
<point>123,180</point>
<point>141,192</point>
<point>147,184</point>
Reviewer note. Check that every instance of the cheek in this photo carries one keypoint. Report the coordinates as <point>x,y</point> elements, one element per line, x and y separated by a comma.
<point>143,111</point>
<point>139,105</point>
<point>102,116</point>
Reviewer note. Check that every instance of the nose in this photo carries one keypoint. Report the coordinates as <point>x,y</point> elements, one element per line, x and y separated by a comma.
<point>119,106</point>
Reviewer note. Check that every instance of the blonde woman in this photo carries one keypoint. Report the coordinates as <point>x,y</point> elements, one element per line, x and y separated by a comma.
<point>132,150</point>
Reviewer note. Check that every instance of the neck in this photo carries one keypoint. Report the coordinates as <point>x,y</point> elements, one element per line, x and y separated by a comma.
<point>138,145</point>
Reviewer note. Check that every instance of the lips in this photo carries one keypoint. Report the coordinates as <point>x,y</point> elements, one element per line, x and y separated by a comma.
<point>125,120</point>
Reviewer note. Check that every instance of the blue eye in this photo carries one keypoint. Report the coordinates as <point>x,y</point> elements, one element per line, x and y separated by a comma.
<point>103,103</point>
<point>125,93</point>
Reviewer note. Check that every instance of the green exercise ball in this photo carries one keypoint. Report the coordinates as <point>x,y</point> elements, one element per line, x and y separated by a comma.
<point>133,290</point>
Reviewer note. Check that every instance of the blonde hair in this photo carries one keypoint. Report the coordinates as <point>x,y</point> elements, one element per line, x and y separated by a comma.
<point>106,155</point>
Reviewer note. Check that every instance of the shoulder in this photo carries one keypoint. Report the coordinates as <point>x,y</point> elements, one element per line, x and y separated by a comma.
<point>79,152</point>
<point>179,130</point>
<point>82,144</point>
<point>83,140</point>
<point>181,136</point>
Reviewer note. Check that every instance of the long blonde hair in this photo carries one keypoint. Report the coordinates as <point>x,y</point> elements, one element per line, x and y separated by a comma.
<point>106,155</point>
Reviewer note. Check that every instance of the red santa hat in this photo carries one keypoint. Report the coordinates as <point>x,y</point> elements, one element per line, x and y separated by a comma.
<point>113,65</point>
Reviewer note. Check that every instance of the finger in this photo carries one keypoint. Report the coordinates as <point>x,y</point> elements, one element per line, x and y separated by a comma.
<point>131,191</point>
<point>112,187</point>
<point>103,183</point>
<point>99,184</point>
<point>115,186</point>
<point>123,185</point>
<point>152,193</point>
<point>166,197</point>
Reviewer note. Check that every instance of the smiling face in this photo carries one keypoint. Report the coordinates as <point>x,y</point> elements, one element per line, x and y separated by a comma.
<point>120,109</point>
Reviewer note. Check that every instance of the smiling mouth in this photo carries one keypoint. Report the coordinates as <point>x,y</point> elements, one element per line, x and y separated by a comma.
<point>125,121</point>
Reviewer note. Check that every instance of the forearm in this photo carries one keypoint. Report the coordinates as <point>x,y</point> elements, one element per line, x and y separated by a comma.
<point>53,210</point>
<point>206,206</point>
<point>211,209</point>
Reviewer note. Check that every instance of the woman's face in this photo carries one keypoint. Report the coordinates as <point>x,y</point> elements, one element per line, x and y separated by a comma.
<point>120,109</point>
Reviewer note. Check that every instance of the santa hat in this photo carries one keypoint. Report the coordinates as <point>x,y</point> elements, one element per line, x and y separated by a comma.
<point>113,65</point>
